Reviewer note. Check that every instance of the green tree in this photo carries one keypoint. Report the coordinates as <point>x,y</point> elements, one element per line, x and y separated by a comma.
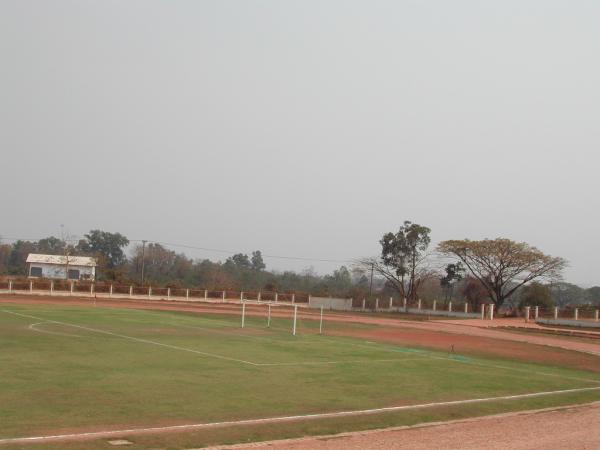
<point>108,249</point>
<point>474,292</point>
<point>454,273</point>
<point>503,266</point>
<point>239,261</point>
<point>18,256</point>
<point>257,261</point>
<point>339,282</point>
<point>536,294</point>
<point>592,295</point>
<point>567,294</point>
<point>5,251</point>
<point>51,246</point>
<point>403,260</point>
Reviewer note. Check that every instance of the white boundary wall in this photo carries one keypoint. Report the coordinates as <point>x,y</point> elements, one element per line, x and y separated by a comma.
<point>570,322</point>
<point>151,295</point>
<point>440,312</point>
<point>337,304</point>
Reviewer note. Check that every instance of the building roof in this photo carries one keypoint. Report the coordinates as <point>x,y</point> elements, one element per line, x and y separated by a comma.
<point>62,260</point>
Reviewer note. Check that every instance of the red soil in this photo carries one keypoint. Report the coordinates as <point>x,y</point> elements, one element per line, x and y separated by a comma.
<point>431,334</point>
<point>573,427</point>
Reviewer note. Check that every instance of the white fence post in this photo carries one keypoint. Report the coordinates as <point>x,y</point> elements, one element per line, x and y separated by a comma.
<point>187,294</point>
<point>596,316</point>
<point>466,308</point>
<point>51,287</point>
<point>243,314</point>
<point>434,305</point>
<point>364,304</point>
<point>223,295</point>
<point>130,291</point>
<point>269,316</point>
<point>242,296</point>
<point>276,296</point>
<point>391,300</point>
<point>492,311</point>
<point>205,294</point>
<point>419,304</point>
<point>536,312</point>
<point>293,298</point>
<point>110,291</point>
<point>404,302</point>
<point>321,322</point>
<point>295,315</point>
<point>258,296</point>
<point>168,293</point>
<point>92,290</point>
<point>376,304</point>
<point>576,313</point>
<point>30,286</point>
<point>483,311</point>
<point>449,306</point>
<point>149,291</point>
<point>9,285</point>
<point>555,312</point>
<point>527,308</point>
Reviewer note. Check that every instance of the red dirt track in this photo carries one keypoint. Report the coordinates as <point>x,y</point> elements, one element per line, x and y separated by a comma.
<point>429,334</point>
<point>573,427</point>
<point>558,429</point>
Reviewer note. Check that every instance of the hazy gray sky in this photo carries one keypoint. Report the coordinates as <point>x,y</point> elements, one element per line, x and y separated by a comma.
<point>304,128</point>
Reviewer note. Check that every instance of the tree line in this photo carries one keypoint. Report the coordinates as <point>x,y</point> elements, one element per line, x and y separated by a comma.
<point>498,271</point>
<point>165,267</point>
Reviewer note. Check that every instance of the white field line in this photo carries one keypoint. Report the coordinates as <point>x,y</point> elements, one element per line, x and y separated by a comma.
<point>495,366</point>
<point>423,425</point>
<point>361,361</point>
<point>481,364</point>
<point>33,327</point>
<point>131,338</point>
<point>212,355</point>
<point>195,426</point>
<point>234,332</point>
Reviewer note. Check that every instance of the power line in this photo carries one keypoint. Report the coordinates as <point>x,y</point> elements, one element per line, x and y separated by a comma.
<point>229,252</point>
<point>194,247</point>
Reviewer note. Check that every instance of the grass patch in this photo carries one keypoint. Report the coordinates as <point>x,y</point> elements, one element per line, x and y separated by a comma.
<point>70,369</point>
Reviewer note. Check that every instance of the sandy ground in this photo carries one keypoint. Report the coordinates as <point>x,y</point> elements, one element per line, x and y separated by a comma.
<point>567,428</point>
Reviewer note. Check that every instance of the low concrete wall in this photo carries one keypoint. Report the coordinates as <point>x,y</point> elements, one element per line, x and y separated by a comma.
<point>426,312</point>
<point>438,312</point>
<point>569,323</point>
<point>337,304</point>
<point>143,297</point>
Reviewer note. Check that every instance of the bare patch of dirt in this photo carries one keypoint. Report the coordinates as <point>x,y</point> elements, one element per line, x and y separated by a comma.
<point>434,334</point>
<point>555,429</point>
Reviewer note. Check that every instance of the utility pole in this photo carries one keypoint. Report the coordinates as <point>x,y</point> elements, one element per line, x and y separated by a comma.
<point>371,282</point>
<point>143,258</point>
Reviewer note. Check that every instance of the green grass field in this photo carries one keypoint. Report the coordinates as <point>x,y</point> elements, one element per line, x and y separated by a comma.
<point>74,369</point>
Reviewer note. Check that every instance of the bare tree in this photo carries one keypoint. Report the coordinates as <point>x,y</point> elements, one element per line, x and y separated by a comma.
<point>503,266</point>
<point>404,259</point>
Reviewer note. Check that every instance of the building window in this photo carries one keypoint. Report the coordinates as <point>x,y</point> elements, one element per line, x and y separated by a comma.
<point>35,272</point>
<point>73,274</point>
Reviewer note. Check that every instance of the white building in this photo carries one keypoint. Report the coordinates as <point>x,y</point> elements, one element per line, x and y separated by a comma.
<point>61,267</point>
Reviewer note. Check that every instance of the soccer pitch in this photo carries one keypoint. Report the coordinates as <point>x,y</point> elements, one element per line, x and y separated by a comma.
<point>69,370</point>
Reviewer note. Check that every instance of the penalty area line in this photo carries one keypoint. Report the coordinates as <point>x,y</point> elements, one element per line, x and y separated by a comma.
<point>112,433</point>
<point>131,338</point>
<point>189,350</point>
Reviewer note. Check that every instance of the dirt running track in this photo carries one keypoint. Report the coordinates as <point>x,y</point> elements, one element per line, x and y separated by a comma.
<point>574,427</point>
<point>431,334</point>
<point>556,429</point>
